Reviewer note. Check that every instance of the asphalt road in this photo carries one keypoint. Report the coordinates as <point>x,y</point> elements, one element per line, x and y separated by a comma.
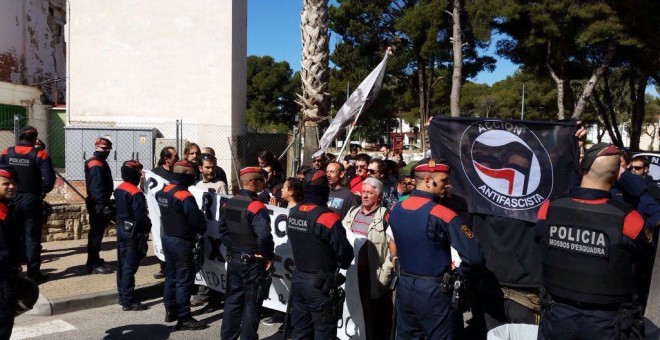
<point>111,322</point>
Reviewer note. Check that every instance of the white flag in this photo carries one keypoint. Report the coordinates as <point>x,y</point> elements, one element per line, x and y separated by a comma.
<point>362,97</point>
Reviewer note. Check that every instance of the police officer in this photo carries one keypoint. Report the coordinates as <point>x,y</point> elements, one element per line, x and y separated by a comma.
<point>423,231</point>
<point>319,246</point>
<point>593,250</point>
<point>133,226</point>
<point>98,181</point>
<point>182,222</point>
<point>244,227</point>
<point>36,177</point>
<point>9,252</point>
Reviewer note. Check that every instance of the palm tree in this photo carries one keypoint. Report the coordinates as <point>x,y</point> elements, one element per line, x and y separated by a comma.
<point>314,71</point>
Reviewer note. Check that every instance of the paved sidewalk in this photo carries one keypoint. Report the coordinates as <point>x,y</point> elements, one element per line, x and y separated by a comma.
<point>70,289</point>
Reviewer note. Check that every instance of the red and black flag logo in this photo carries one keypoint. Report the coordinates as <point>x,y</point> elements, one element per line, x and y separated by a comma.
<point>506,167</point>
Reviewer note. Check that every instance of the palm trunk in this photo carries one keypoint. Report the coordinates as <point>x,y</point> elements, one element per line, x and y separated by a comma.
<point>314,71</point>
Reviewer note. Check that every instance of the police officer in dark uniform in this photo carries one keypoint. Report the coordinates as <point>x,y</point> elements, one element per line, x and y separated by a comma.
<point>98,181</point>
<point>423,231</point>
<point>182,221</point>
<point>9,252</point>
<point>244,227</point>
<point>593,249</point>
<point>133,226</point>
<point>320,247</point>
<point>36,177</point>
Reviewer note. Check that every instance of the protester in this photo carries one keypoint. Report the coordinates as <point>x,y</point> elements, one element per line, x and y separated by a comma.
<point>182,222</point>
<point>244,228</point>
<point>220,173</point>
<point>191,153</point>
<point>319,245</point>
<point>166,162</point>
<point>379,170</point>
<point>640,166</point>
<point>355,184</point>
<point>385,151</point>
<point>349,162</point>
<point>373,260</point>
<point>423,232</point>
<point>320,162</point>
<point>133,225</point>
<point>340,199</point>
<point>36,178</point>
<point>590,279</point>
<point>272,187</point>
<point>210,181</point>
<point>292,192</point>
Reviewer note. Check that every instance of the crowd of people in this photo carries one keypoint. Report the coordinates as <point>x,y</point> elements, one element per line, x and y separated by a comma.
<point>581,272</point>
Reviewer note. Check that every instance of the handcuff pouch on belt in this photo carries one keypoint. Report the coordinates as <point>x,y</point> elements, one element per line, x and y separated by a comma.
<point>330,284</point>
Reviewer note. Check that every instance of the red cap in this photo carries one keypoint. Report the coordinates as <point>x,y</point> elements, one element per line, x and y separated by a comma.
<point>7,174</point>
<point>184,163</point>
<point>250,170</point>
<point>103,142</point>
<point>430,165</point>
<point>317,174</point>
<point>133,164</point>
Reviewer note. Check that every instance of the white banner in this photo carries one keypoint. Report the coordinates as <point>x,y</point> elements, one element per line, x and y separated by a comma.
<point>214,272</point>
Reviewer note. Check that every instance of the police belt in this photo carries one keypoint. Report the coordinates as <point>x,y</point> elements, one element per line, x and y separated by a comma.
<point>587,306</point>
<point>438,279</point>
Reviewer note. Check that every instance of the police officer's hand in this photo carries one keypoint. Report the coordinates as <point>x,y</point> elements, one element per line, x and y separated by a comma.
<point>267,263</point>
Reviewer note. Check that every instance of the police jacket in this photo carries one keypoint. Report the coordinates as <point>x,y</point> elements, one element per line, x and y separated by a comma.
<point>179,214</point>
<point>98,180</point>
<point>318,239</point>
<point>34,167</point>
<point>9,255</point>
<point>131,205</point>
<point>593,247</point>
<point>244,225</point>
<point>424,230</point>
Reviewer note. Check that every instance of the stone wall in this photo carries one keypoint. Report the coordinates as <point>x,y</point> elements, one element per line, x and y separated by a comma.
<point>69,222</point>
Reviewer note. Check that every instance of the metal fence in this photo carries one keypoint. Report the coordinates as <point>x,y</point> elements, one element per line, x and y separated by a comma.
<point>69,145</point>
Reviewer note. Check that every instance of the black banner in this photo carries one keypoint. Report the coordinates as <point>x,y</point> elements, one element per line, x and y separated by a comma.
<point>506,167</point>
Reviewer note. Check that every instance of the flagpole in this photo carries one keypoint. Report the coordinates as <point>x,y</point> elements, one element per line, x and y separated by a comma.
<point>348,137</point>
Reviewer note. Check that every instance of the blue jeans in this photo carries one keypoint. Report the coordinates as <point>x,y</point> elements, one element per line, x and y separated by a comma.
<point>179,276</point>
<point>241,315</point>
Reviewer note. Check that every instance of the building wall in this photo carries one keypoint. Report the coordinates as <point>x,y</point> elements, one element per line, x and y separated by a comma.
<point>157,60</point>
<point>32,49</point>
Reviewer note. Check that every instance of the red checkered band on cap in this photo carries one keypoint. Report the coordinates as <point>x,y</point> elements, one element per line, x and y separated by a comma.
<point>103,142</point>
<point>250,170</point>
<point>184,163</point>
<point>6,174</point>
<point>432,166</point>
<point>133,164</point>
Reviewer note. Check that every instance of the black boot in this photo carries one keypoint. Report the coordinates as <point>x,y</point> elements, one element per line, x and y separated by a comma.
<point>170,315</point>
<point>189,324</point>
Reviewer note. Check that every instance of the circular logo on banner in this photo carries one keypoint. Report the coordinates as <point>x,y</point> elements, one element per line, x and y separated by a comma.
<point>507,164</point>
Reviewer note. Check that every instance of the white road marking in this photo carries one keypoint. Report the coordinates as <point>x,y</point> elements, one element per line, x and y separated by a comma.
<point>39,329</point>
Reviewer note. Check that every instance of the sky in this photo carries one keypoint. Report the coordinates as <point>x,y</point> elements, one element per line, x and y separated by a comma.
<point>274,29</point>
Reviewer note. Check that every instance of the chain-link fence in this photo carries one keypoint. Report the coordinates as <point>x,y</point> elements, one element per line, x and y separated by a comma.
<point>69,145</point>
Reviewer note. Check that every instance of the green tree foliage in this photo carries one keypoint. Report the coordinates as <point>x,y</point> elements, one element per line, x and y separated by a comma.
<point>271,88</point>
<point>420,32</point>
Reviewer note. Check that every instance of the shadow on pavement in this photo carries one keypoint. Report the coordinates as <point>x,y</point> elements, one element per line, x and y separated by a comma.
<point>140,332</point>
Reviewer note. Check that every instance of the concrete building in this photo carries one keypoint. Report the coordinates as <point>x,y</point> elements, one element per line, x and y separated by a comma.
<point>145,63</point>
